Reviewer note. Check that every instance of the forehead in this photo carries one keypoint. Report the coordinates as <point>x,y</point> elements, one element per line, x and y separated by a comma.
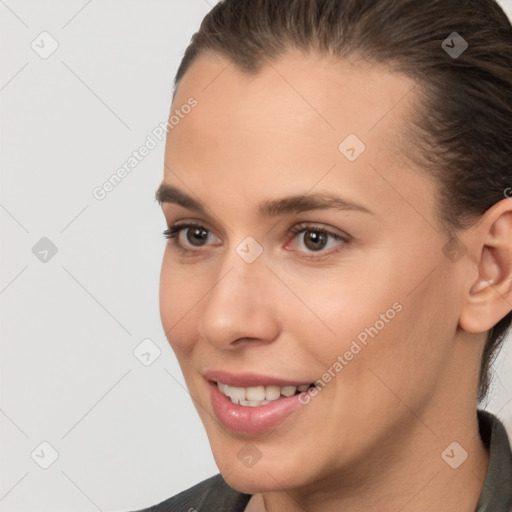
<point>288,123</point>
<point>315,96</point>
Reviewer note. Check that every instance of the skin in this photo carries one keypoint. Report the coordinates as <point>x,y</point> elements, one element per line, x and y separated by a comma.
<point>372,438</point>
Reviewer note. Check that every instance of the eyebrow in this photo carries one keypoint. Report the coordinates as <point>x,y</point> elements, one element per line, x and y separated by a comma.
<point>270,208</point>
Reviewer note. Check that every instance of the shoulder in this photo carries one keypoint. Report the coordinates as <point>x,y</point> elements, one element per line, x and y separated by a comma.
<point>212,494</point>
<point>497,489</point>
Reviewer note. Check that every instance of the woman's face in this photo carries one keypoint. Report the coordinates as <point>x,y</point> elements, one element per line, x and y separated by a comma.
<point>347,285</point>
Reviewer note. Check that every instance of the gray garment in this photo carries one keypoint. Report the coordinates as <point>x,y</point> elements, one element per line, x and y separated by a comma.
<point>215,495</point>
<point>211,495</point>
<point>496,495</point>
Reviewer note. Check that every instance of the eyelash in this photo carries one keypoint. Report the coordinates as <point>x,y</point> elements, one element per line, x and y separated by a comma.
<point>173,231</point>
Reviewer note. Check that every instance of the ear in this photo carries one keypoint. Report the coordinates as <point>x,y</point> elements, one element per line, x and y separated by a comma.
<point>489,295</point>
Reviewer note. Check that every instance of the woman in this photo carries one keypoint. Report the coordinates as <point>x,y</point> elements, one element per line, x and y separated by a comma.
<point>338,275</point>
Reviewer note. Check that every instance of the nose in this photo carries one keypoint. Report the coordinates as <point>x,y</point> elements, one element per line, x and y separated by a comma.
<point>240,308</point>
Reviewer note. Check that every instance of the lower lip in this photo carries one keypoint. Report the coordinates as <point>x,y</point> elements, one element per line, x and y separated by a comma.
<point>253,420</point>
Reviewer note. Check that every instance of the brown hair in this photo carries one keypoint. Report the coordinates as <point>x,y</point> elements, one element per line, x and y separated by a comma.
<point>462,133</point>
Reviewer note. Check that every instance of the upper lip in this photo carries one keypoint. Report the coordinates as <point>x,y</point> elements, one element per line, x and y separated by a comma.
<point>246,380</point>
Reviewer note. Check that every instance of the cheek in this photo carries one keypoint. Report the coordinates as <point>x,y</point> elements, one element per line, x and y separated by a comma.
<point>410,354</point>
<point>179,298</point>
<point>379,324</point>
<point>344,311</point>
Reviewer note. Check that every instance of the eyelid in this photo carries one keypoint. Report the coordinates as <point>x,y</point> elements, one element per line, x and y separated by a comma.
<point>184,223</point>
<point>316,226</point>
<point>175,230</point>
<point>342,237</point>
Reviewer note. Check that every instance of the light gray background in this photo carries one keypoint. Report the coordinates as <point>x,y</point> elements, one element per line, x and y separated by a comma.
<point>126,434</point>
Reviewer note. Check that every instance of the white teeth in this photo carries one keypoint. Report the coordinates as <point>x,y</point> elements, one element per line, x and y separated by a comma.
<point>272,392</point>
<point>253,403</point>
<point>258,395</point>
<point>288,390</point>
<point>235,393</point>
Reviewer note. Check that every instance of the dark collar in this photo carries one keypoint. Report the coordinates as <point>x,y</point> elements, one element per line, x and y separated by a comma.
<point>496,494</point>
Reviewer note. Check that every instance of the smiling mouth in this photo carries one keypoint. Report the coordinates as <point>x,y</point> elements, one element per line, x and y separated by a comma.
<point>260,395</point>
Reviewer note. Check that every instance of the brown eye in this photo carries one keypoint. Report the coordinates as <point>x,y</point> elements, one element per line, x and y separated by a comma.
<point>196,235</point>
<point>316,242</point>
<point>315,239</point>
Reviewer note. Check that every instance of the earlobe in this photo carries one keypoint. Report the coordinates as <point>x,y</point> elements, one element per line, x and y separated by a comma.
<point>489,298</point>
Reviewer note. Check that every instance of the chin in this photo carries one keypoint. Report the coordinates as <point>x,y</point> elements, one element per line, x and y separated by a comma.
<point>253,481</point>
<point>257,476</point>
